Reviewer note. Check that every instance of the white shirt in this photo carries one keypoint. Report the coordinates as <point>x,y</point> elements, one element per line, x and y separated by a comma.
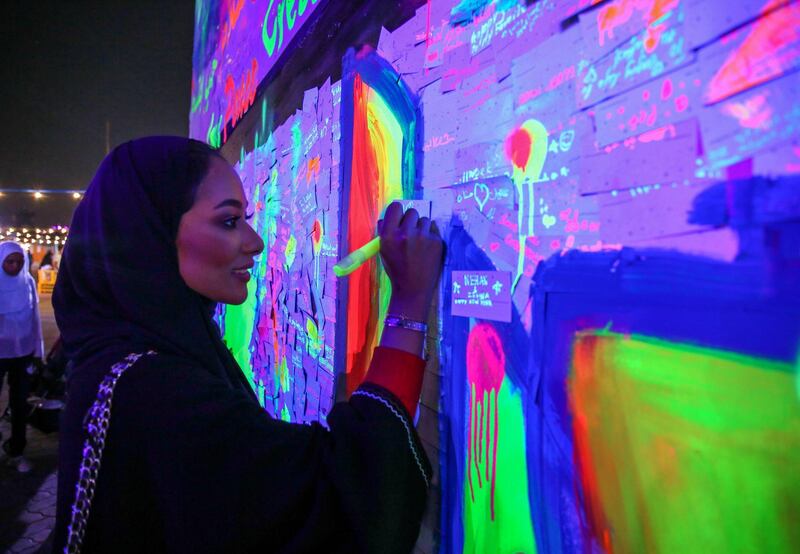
<point>21,331</point>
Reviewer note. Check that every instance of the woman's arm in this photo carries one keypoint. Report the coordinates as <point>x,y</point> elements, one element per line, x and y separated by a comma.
<point>358,486</point>
<point>226,477</point>
<point>411,248</point>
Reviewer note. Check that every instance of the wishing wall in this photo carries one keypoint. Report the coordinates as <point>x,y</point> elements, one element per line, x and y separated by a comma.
<point>617,182</point>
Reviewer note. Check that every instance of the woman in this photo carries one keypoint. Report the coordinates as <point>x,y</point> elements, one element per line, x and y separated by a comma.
<point>20,342</point>
<point>191,463</point>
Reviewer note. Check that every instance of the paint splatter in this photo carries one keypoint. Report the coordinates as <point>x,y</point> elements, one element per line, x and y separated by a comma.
<point>486,363</point>
<point>282,375</point>
<point>316,236</point>
<point>526,147</point>
<point>518,148</point>
<point>682,448</point>
<point>291,251</point>
<point>313,340</point>
<point>654,13</point>
<point>771,48</point>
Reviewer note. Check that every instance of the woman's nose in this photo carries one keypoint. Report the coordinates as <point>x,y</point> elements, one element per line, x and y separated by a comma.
<point>255,243</point>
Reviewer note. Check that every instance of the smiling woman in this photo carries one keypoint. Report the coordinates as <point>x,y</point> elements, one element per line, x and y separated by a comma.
<point>158,240</point>
<point>215,247</point>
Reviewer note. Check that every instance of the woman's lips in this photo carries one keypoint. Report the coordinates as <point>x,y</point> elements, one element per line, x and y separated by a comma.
<point>242,274</point>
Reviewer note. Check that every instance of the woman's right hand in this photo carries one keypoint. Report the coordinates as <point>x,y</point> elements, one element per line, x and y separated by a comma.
<point>411,249</point>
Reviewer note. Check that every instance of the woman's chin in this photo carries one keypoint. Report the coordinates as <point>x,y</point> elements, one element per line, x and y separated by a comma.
<point>237,297</point>
<point>232,293</point>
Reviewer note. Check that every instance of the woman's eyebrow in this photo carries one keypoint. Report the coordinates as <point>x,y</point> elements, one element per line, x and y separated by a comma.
<point>229,202</point>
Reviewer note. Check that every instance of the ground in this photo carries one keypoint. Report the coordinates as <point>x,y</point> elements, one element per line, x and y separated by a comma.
<point>28,501</point>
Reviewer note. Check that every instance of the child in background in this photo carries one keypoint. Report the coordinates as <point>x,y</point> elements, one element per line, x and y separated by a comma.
<point>20,342</point>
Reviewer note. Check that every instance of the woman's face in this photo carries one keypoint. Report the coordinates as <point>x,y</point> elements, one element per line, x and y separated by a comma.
<point>13,264</point>
<point>215,245</point>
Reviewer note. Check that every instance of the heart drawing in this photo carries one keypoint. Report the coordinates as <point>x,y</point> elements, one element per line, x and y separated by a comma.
<point>481,194</point>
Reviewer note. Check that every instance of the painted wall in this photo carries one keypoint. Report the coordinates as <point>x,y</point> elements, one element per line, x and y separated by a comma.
<point>236,45</point>
<point>618,324</point>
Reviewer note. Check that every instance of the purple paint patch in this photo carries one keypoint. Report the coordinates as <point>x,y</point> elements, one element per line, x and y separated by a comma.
<point>482,294</point>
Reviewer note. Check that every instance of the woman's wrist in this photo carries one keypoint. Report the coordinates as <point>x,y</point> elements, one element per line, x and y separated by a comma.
<point>407,340</point>
<point>415,308</point>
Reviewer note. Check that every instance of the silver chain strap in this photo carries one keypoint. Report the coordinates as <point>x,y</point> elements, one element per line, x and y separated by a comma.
<point>96,424</point>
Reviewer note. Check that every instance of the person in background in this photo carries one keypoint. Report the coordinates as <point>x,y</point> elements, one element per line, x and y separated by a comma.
<point>47,260</point>
<point>20,342</point>
<point>185,459</point>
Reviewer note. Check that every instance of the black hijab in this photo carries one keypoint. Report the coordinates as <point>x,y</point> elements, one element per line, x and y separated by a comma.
<point>118,287</point>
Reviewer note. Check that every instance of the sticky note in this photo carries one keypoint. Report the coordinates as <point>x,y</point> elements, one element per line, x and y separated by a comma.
<point>481,294</point>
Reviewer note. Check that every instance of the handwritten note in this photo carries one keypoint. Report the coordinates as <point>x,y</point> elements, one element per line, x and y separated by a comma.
<point>482,294</point>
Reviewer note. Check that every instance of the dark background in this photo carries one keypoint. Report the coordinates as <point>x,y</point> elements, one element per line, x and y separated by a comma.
<point>68,67</point>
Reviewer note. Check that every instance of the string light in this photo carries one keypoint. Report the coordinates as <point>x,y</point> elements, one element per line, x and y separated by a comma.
<point>55,236</point>
<point>42,193</point>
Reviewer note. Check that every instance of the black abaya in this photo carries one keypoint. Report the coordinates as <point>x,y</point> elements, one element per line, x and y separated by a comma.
<point>192,463</point>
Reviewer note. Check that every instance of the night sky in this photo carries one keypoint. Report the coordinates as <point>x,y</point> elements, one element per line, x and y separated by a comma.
<point>67,67</point>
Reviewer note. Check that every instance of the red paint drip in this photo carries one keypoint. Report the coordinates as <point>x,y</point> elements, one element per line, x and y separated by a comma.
<point>470,432</point>
<point>486,363</point>
<point>316,232</point>
<point>518,147</point>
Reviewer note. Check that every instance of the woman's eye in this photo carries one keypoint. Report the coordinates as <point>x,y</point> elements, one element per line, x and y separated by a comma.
<point>230,223</point>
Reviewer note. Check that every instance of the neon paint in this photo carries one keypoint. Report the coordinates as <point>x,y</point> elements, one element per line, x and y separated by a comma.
<point>605,450</point>
<point>247,38</point>
<point>297,150</point>
<point>290,251</point>
<point>620,12</point>
<point>316,236</point>
<point>282,375</point>
<point>485,371</point>
<point>498,518</point>
<point>487,429</point>
<point>287,314</point>
<point>272,209</point>
<point>313,340</point>
<point>376,181</point>
<point>683,448</point>
<point>526,148</point>
<point>771,48</point>
<point>279,23</point>
<point>240,96</point>
<point>753,113</point>
<point>239,330</point>
<point>379,151</point>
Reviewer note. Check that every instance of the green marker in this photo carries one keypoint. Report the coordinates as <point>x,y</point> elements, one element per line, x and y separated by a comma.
<point>356,258</point>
